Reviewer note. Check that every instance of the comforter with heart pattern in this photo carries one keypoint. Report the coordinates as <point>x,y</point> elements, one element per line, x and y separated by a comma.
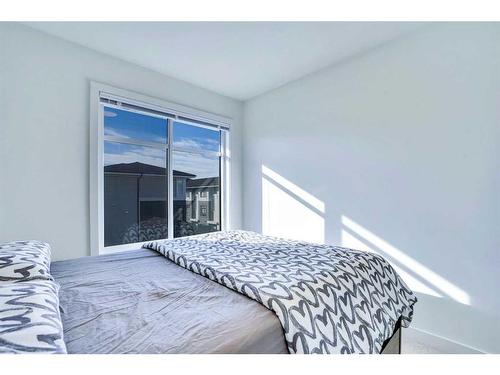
<point>328,299</point>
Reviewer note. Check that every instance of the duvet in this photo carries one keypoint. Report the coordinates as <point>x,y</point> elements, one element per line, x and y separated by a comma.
<point>328,299</point>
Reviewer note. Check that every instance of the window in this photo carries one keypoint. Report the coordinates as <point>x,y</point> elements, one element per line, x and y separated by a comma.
<point>211,207</point>
<point>180,188</point>
<point>194,204</point>
<point>153,166</point>
<point>135,193</point>
<point>196,161</point>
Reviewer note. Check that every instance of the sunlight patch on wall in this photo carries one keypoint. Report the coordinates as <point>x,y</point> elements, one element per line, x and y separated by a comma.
<point>415,274</point>
<point>289,211</point>
<point>294,189</point>
<point>350,241</point>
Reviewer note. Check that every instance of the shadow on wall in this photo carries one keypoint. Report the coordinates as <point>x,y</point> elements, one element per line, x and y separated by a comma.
<point>291,212</point>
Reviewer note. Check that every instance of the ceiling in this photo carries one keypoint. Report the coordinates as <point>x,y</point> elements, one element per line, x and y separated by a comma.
<point>237,59</point>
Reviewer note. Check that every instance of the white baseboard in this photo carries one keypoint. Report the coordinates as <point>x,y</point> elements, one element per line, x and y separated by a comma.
<point>417,341</point>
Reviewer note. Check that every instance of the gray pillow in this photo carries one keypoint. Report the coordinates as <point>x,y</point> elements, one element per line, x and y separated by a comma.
<point>30,321</point>
<point>24,260</point>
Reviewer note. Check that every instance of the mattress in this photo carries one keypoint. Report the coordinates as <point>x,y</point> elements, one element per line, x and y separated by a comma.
<point>140,302</point>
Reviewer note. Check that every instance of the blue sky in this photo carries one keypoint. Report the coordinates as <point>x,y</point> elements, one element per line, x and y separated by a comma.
<point>195,137</point>
<point>134,125</point>
<point>126,124</point>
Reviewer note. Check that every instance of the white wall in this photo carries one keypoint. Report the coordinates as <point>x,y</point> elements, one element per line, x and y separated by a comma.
<point>44,133</point>
<point>395,150</point>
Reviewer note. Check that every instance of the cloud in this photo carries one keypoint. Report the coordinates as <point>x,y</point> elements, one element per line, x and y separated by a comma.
<point>201,144</point>
<point>128,134</point>
<point>114,132</point>
<point>198,165</point>
<point>120,153</point>
<point>109,114</point>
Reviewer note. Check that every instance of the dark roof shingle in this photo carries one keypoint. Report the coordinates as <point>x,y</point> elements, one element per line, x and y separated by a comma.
<point>141,168</point>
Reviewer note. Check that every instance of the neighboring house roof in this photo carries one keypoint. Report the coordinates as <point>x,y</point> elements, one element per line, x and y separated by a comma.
<point>203,182</point>
<point>141,168</point>
<point>183,174</point>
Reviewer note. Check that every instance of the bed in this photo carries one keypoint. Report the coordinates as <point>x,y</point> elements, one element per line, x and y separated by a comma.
<point>152,300</point>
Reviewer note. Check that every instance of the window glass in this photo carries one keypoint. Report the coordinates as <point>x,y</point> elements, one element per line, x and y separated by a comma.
<point>132,125</point>
<point>136,177</point>
<point>135,193</point>
<point>195,138</point>
<point>201,177</point>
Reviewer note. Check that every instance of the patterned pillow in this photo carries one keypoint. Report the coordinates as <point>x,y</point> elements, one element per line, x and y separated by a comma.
<point>29,318</point>
<point>24,260</point>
